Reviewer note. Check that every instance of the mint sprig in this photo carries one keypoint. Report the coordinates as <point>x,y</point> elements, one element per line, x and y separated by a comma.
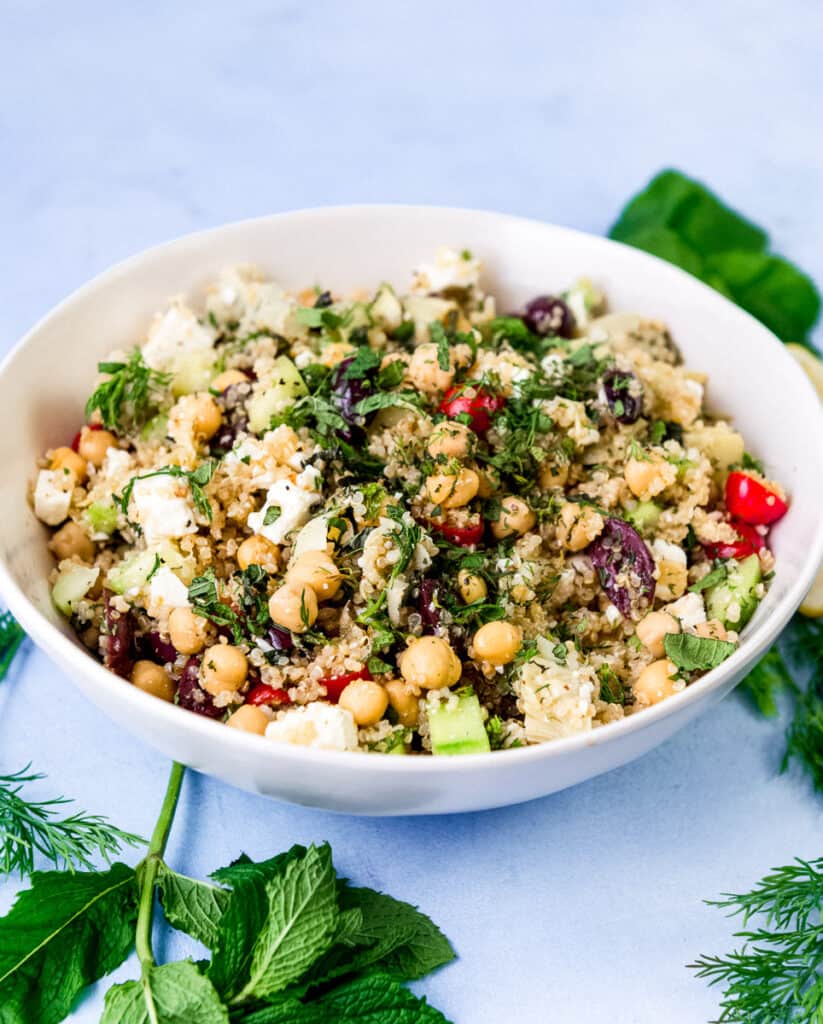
<point>290,942</point>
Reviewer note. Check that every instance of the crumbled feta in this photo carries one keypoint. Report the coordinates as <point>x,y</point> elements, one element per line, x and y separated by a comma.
<point>165,591</point>
<point>613,616</point>
<point>689,610</point>
<point>52,495</point>
<point>450,269</point>
<point>556,697</point>
<point>295,501</point>
<point>318,725</point>
<point>160,505</point>
<point>666,552</point>
<point>173,334</point>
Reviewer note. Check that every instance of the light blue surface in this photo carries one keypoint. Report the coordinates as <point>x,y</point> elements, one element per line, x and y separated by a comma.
<point>119,130</point>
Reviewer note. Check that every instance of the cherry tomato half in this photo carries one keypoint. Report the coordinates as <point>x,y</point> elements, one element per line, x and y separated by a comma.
<point>750,542</point>
<point>474,402</point>
<point>335,685</point>
<point>462,536</point>
<point>265,694</point>
<point>750,500</point>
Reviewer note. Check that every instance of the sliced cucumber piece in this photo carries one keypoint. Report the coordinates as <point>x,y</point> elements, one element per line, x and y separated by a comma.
<point>458,729</point>
<point>644,516</point>
<point>102,518</point>
<point>286,387</point>
<point>193,372</point>
<point>72,585</point>
<point>734,600</point>
<point>133,573</point>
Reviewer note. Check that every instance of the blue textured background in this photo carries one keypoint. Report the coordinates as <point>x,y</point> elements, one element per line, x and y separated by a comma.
<point>119,130</point>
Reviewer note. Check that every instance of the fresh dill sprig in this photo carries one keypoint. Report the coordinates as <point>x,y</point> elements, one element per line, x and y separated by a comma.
<point>11,636</point>
<point>804,735</point>
<point>131,395</point>
<point>776,976</point>
<point>30,827</point>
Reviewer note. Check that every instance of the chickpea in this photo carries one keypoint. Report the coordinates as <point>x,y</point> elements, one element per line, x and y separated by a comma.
<point>227,379</point>
<point>404,701</point>
<point>152,679</point>
<point>713,629</point>
<point>94,444</point>
<point>489,482</point>
<point>451,440</point>
<point>424,370</point>
<point>66,458</point>
<point>652,629</point>
<point>188,632</point>
<point>453,490</point>
<point>430,663</point>
<point>578,526</point>
<point>294,608</point>
<point>552,476</point>
<point>515,518</point>
<point>249,718</point>
<point>366,700</point>
<point>648,477</point>
<point>260,551</point>
<point>471,586</point>
<point>206,416</point>
<point>655,682</point>
<point>317,570</point>
<point>71,540</point>
<point>497,642</point>
<point>224,667</point>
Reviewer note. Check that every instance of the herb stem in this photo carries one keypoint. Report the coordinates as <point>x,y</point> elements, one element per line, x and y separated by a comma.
<point>148,871</point>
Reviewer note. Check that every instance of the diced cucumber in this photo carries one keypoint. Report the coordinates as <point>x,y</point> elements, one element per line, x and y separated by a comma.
<point>644,516</point>
<point>193,372</point>
<point>72,585</point>
<point>133,573</point>
<point>155,429</point>
<point>734,600</point>
<point>286,387</point>
<point>458,729</point>
<point>102,518</point>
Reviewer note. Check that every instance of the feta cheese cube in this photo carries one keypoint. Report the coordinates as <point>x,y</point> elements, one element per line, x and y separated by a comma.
<point>52,495</point>
<point>318,725</point>
<point>161,506</point>
<point>165,592</point>
<point>689,610</point>
<point>450,269</point>
<point>174,334</point>
<point>294,500</point>
<point>666,552</point>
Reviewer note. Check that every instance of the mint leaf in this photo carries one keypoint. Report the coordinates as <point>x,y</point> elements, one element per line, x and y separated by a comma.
<point>371,999</point>
<point>715,576</point>
<point>301,919</point>
<point>365,360</point>
<point>680,220</point>
<point>179,994</point>
<point>696,653</point>
<point>62,934</point>
<point>386,399</point>
<point>441,340</point>
<point>192,906</point>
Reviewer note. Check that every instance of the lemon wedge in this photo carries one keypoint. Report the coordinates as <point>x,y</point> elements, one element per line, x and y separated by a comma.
<point>813,601</point>
<point>812,366</point>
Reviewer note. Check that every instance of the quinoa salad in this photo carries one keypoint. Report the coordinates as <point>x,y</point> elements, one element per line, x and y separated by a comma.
<point>407,521</point>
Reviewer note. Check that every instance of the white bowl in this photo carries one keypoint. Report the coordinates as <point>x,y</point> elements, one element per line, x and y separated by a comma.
<point>46,379</point>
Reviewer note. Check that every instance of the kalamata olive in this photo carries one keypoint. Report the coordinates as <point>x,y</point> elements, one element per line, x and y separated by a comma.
<point>191,695</point>
<point>624,395</point>
<point>549,315</point>
<point>226,437</point>
<point>323,300</point>
<point>153,644</point>
<point>427,605</point>
<point>347,393</point>
<point>625,567</point>
<point>119,639</point>
<point>279,638</point>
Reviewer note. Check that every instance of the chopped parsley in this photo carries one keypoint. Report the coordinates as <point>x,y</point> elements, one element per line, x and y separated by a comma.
<point>130,396</point>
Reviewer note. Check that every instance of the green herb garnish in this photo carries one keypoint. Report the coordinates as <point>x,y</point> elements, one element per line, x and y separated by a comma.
<point>696,653</point>
<point>130,397</point>
<point>197,480</point>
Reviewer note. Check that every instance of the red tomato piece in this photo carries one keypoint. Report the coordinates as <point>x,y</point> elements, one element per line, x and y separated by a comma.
<point>462,536</point>
<point>265,694</point>
<point>335,685</point>
<point>753,502</point>
<point>474,402</point>
<point>751,541</point>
